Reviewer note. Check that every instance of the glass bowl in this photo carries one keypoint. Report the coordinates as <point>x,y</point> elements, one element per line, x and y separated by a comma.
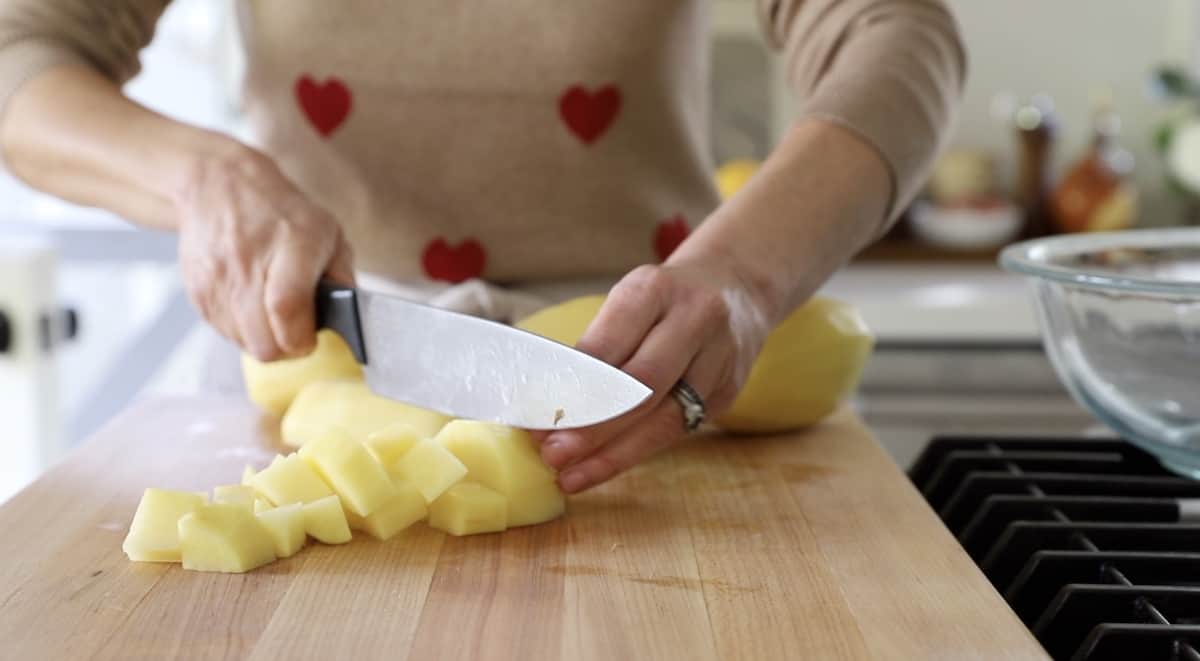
<point>1120,320</point>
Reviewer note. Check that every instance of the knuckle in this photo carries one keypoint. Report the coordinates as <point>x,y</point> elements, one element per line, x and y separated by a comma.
<point>647,279</point>
<point>711,305</point>
<point>651,371</point>
<point>285,302</point>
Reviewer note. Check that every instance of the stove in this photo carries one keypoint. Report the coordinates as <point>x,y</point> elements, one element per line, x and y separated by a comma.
<point>1093,544</point>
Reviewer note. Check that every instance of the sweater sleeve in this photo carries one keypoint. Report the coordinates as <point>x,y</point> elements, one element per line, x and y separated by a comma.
<point>36,35</point>
<point>891,71</point>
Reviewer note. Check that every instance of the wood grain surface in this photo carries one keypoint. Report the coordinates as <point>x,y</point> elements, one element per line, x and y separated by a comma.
<point>804,546</point>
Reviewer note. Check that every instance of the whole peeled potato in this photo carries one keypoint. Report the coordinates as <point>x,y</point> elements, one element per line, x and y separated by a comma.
<point>273,386</point>
<point>564,322</point>
<point>810,363</point>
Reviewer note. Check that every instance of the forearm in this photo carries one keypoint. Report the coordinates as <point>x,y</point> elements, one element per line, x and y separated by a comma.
<point>70,132</point>
<point>819,198</point>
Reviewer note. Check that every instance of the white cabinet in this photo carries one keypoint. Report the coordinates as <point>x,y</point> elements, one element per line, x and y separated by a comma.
<point>32,436</point>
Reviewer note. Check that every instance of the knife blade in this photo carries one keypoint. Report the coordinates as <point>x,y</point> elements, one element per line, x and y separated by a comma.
<point>467,367</point>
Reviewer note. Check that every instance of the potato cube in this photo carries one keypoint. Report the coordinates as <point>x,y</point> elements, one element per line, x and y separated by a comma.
<point>154,534</point>
<point>536,503</point>
<point>224,538</point>
<point>360,481</point>
<point>286,527</point>
<point>390,443</point>
<point>248,474</point>
<point>350,405</point>
<point>430,467</point>
<point>291,480</point>
<point>325,521</point>
<point>496,456</point>
<point>404,509</point>
<point>273,386</point>
<point>468,508</point>
<point>261,505</point>
<point>235,494</point>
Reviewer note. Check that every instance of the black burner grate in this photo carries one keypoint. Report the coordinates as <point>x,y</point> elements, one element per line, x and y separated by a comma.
<point>1094,545</point>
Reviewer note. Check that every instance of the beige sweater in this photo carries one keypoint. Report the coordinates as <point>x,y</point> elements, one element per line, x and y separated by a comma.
<point>526,140</point>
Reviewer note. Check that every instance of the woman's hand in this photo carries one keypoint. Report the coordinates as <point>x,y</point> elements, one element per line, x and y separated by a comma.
<point>696,321</point>
<point>252,248</point>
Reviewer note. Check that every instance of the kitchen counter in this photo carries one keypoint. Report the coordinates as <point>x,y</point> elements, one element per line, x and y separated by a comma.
<point>807,545</point>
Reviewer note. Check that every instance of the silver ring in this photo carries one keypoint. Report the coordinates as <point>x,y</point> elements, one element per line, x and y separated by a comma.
<point>692,404</point>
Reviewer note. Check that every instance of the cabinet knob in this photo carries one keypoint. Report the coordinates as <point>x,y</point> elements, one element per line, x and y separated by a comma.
<point>5,333</point>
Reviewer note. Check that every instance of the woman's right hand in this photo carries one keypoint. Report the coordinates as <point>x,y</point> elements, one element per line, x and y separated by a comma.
<point>252,248</point>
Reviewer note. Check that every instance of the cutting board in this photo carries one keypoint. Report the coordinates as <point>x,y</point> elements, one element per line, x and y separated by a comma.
<point>809,545</point>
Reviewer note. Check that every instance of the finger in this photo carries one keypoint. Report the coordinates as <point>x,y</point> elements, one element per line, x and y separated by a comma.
<point>560,449</point>
<point>705,373</point>
<point>201,285</point>
<point>288,297</point>
<point>711,373</point>
<point>250,317</point>
<point>660,430</point>
<point>667,351</point>
<point>628,314</point>
<point>659,362</point>
<point>341,267</point>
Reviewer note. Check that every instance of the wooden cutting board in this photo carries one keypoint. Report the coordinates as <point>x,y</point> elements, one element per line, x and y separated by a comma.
<point>803,546</point>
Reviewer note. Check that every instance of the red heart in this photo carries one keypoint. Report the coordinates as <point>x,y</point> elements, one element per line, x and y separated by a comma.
<point>669,234</point>
<point>464,261</point>
<point>589,114</point>
<point>325,104</point>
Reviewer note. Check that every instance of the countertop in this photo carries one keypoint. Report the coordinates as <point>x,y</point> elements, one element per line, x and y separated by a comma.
<point>806,545</point>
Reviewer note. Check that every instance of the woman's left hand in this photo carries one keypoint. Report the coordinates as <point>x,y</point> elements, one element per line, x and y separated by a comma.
<point>700,323</point>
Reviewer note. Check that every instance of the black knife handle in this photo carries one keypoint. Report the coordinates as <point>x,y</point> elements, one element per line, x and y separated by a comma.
<point>337,310</point>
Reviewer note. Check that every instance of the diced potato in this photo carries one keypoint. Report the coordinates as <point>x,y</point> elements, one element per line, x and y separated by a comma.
<point>154,534</point>
<point>224,538</point>
<point>430,467</point>
<point>469,508</point>
<point>404,509</point>
<point>248,474</point>
<point>350,405</point>
<point>286,527</point>
<point>235,494</point>
<point>278,458</point>
<point>273,386</point>
<point>325,521</point>
<point>536,503</point>
<point>390,443</point>
<point>506,460</point>
<point>291,480</point>
<point>261,505</point>
<point>496,456</point>
<point>360,481</point>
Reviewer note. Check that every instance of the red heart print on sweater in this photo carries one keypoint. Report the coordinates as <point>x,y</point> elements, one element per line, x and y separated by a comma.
<point>453,263</point>
<point>326,105</point>
<point>668,235</point>
<point>589,114</point>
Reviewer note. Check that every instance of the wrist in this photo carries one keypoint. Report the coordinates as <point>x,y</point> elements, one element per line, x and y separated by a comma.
<point>816,201</point>
<point>196,154</point>
<point>203,156</point>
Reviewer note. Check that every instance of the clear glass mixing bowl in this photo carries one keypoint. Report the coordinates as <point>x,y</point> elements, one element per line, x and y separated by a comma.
<point>1120,320</point>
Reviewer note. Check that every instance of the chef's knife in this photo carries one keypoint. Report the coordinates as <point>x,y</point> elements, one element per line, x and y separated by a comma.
<point>467,367</point>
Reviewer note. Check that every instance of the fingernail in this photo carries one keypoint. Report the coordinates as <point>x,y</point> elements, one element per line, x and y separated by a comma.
<point>572,482</point>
